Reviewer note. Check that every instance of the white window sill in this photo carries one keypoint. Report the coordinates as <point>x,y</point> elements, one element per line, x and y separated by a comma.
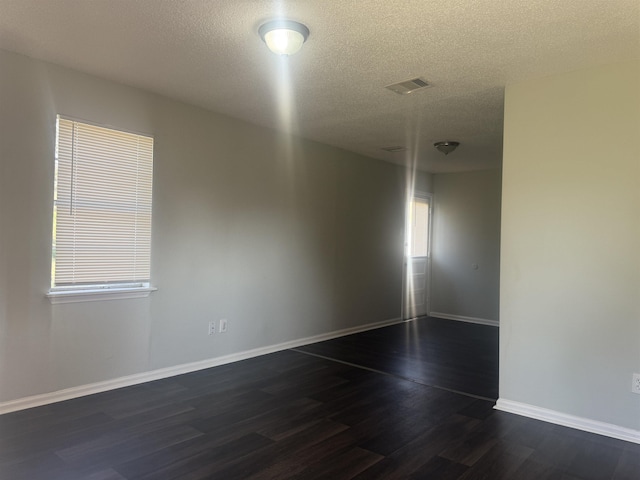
<point>98,294</point>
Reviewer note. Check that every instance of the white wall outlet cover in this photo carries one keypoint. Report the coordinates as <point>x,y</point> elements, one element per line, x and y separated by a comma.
<point>223,325</point>
<point>635,385</point>
<point>212,327</point>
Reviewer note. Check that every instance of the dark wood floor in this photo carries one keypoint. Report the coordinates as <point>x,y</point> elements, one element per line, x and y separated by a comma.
<point>296,415</point>
<point>462,357</point>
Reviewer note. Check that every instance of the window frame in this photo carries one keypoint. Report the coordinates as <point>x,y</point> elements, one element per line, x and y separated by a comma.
<point>94,291</point>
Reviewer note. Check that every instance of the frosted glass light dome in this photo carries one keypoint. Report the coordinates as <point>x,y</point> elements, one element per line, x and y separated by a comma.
<point>284,37</point>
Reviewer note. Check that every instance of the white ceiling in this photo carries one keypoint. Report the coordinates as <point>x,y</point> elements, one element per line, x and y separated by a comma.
<point>208,53</point>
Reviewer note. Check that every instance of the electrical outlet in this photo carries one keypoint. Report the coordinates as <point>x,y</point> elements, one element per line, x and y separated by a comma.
<point>223,326</point>
<point>212,327</point>
<point>635,385</point>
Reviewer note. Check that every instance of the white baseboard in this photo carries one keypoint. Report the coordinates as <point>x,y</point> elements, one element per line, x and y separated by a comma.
<point>460,318</point>
<point>135,379</point>
<point>558,418</point>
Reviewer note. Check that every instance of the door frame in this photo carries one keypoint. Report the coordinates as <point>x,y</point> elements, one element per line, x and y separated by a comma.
<point>405,256</point>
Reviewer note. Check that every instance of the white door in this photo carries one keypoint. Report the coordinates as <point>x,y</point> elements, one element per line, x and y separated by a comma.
<point>417,257</point>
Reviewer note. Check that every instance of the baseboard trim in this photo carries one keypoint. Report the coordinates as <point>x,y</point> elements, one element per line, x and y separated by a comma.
<point>566,420</point>
<point>460,318</point>
<point>138,378</point>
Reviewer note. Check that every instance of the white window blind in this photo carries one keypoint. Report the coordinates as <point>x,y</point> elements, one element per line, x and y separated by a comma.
<point>102,206</point>
<point>419,227</point>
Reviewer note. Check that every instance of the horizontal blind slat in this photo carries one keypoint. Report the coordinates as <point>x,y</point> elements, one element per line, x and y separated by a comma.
<point>103,205</point>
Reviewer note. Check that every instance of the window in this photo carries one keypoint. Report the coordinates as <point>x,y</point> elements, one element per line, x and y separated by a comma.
<point>101,213</point>
<point>419,224</point>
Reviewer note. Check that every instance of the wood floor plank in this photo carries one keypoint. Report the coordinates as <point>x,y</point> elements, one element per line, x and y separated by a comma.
<point>108,474</point>
<point>498,463</point>
<point>245,466</point>
<point>628,464</point>
<point>419,451</point>
<point>173,455</point>
<point>192,462</point>
<point>131,448</point>
<point>439,468</point>
<point>368,413</point>
<point>345,465</point>
<point>595,461</point>
<point>453,355</point>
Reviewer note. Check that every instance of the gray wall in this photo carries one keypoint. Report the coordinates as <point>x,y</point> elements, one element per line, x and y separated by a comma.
<point>283,237</point>
<point>466,232</point>
<point>570,262</point>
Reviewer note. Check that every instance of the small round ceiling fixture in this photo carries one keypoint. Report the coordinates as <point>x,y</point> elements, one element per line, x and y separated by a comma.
<point>284,37</point>
<point>446,147</point>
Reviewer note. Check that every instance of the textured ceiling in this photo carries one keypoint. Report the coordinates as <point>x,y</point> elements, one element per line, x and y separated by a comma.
<point>208,53</point>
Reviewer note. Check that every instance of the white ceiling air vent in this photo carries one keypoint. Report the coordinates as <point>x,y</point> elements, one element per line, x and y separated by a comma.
<point>394,149</point>
<point>408,86</point>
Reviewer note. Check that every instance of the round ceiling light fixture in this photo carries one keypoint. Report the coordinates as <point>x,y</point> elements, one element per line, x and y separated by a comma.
<point>446,147</point>
<point>284,37</point>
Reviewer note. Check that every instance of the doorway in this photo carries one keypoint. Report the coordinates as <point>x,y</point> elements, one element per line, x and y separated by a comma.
<point>417,258</point>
